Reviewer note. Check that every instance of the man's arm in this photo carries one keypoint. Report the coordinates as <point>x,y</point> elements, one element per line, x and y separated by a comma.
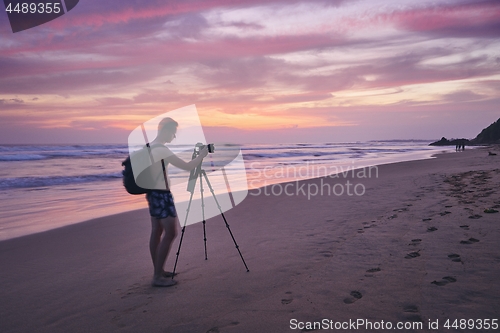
<point>188,166</point>
<point>164,153</point>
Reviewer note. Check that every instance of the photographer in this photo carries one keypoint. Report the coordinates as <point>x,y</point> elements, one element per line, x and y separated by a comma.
<point>164,220</point>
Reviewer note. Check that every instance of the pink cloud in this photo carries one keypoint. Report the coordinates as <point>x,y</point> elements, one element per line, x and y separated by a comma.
<point>111,12</point>
<point>109,48</point>
<point>479,19</point>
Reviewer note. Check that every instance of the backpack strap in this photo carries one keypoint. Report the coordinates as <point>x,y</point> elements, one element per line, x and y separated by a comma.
<point>165,174</point>
<point>162,164</point>
<point>149,147</point>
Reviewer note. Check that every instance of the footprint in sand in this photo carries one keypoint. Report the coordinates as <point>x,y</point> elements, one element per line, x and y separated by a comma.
<point>366,226</point>
<point>426,219</point>
<point>465,227</point>
<point>355,295</point>
<point>327,254</point>
<point>288,300</point>
<point>415,241</point>
<point>410,308</point>
<point>469,241</point>
<point>431,229</point>
<point>373,270</point>
<point>444,281</point>
<point>475,216</point>
<point>412,313</point>
<point>445,213</point>
<point>455,257</point>
<point>412,255</point>
<point>133,289</point>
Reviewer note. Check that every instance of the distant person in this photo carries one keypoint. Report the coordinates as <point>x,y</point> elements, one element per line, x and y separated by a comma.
<point>460,145</point>
<point>164,220</point>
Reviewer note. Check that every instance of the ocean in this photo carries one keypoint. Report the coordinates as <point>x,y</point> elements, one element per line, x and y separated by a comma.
<point>49,186</point>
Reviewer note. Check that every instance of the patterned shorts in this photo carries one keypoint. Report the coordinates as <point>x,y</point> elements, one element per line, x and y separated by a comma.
<point>161,204</point>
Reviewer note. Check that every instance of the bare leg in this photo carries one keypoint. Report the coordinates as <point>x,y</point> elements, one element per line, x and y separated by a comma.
<point>169,226</point>
<point>156,231</point>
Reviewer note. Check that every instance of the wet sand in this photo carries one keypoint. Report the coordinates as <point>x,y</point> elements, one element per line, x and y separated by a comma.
<point>417,246</point>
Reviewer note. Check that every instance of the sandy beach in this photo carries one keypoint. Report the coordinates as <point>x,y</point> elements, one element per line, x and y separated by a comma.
<point>416,246</point>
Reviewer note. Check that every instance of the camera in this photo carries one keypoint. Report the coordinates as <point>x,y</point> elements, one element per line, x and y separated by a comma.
<point>199,146</point>
<point>195,172</point>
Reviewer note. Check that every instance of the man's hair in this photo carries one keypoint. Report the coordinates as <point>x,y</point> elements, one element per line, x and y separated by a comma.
<point>167,124</point>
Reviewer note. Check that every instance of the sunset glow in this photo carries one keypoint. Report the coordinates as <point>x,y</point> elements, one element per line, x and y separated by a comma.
<point>257,70</point>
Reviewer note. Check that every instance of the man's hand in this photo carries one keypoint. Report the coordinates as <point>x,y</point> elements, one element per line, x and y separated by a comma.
<point>204,152</point>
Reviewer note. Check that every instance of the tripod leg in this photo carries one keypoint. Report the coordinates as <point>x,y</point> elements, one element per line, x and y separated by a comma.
<point>225,221</point>
<point>234,240</point>
<point>182,234</point>
<point>203,215</point>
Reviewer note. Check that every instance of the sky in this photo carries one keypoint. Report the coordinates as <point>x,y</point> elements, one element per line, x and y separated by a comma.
<point>258,71</point>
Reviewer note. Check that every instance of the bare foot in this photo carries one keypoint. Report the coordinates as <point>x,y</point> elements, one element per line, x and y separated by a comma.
<point>166,274</point>
<point>163,282</point>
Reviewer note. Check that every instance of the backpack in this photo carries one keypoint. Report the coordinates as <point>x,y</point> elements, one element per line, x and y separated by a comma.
<point>129,180</point>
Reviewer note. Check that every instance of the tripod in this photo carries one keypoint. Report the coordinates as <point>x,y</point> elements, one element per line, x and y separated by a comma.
<point>200,173</point>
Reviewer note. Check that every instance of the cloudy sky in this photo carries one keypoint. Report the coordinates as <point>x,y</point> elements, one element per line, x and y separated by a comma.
<point>258,71</point>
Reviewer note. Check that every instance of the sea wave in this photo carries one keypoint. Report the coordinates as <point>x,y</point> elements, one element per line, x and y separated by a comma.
<point>33,153</point>
<point>21,157</point>
<point>27,182</point>
<point>107,159</point>
<point>328,152</point>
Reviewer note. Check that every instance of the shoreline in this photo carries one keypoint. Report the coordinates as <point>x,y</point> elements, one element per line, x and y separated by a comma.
<point>52,221</point>
<point>341,258</point>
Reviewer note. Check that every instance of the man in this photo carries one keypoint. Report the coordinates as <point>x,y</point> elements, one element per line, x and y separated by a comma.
<point>164,220</point>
